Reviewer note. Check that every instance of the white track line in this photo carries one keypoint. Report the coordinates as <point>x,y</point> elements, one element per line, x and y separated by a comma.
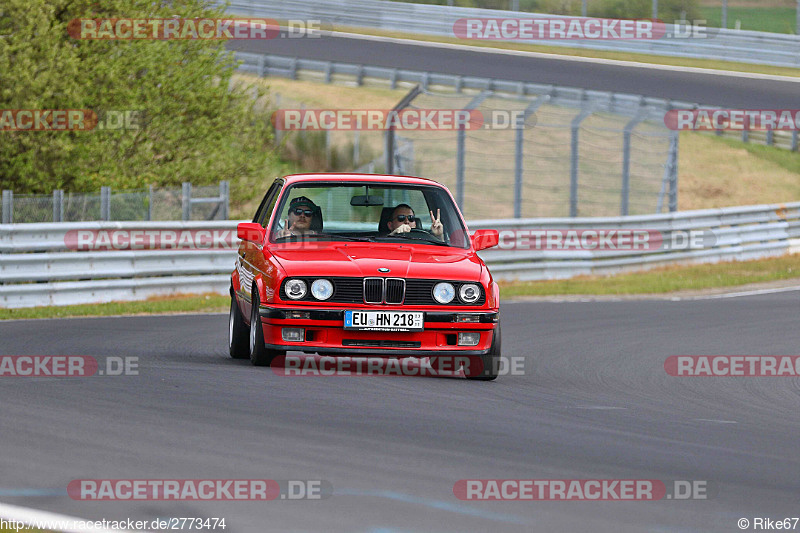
<point>543,55</point>
<point>35,517</point>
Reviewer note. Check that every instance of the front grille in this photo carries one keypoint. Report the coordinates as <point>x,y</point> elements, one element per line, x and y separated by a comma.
<point>373,290</point>
<point>395,290</point>
<point>381,343</point>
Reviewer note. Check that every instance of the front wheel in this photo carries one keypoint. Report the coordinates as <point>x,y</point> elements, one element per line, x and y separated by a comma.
<point>259,354</point>
<point>237,333</point>
<point>491,361</point>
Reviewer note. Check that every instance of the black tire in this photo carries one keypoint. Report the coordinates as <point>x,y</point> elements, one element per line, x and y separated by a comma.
<point>491,361</point>
<point>238,343</point>
<point>259,354</point>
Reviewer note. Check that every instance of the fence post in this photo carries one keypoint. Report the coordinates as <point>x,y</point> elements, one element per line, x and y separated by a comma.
<point>224,195</point>
<point>58,205</point>
<point>8,207</point>
<point>402,104</point>
<point>186,200</point>
<point>461,138</point>
<point>626,161</point>
<point>519,152</point>
<point>105,203</point>
<point>574,161</point>
<point>673,181</point>
<point>328,149</point>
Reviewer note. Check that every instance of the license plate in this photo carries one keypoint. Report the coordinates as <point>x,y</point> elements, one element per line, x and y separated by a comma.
<point>383,320</point>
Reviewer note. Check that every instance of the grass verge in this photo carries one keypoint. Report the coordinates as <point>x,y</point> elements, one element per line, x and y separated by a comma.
<point>193,303</point>
<point>665,280</point>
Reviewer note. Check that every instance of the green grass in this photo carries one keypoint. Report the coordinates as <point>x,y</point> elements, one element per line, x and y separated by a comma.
<point>771,19</point>
<point>203,303</point>
<point>780,156</point>
<point>665,280</point>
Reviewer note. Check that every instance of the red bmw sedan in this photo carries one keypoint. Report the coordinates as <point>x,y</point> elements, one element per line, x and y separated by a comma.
<point>363,265</point>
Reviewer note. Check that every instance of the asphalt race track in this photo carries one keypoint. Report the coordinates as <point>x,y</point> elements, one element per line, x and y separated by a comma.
<point>711,89</point>
<point>595,402</point>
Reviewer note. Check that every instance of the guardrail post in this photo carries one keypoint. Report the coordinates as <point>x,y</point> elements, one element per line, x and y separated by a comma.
<point>8,207</point>
<point>794,132</point>
<point>770,137</point>
<point>186,200</point>
<point>58,205</point>
<point>574,161</point>
<point>360,76</point>
<point>425,80</point>
<point>293,69</point>
<point>745,135</point>
<point>356,147</point>
<point>105,203</point>
<point>224,198</point>
<point>393,79</point>
<point>150,203</point>
<point>328,72</point>
<point>262,66</point>
<point>459,83</point>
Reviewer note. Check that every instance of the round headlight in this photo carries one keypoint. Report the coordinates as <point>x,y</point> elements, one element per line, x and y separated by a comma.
<point>444,293</point>
<point>469,293</point>
<point>296,289</point>
<point>322,289</point>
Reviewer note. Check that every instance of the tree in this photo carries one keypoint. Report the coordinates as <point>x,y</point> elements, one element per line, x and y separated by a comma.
<point>194,126</point>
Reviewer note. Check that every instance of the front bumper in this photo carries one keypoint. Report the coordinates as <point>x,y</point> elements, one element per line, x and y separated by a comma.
<point>325,334</point>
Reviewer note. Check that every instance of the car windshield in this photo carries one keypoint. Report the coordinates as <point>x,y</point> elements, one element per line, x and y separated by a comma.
<point>371,212</point>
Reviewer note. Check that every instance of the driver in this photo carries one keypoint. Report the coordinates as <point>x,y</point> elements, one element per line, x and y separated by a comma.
<point>402,221</point>
<point>301,215</point>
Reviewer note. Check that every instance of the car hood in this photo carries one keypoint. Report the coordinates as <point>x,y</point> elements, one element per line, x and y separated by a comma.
<point>364,259</point>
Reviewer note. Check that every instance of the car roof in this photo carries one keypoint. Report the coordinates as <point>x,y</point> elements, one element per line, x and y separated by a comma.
<point>342,176</point>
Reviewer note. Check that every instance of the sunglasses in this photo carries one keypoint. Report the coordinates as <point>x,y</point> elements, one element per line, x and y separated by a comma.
<point>300,211</point>
<point>402,218</point>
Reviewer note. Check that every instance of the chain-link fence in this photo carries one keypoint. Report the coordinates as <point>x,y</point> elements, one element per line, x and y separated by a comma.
<point>561,158</point>
<point>154,203</point>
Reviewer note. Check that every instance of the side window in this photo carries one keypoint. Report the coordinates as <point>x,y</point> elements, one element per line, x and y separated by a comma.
<point>268,204</point>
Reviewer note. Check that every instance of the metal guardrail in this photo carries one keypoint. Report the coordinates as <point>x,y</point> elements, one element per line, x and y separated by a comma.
<point>721,44</point>
<point>37,266</point>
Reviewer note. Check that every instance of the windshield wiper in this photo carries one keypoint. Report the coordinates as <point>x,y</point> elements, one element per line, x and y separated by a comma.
<point>428,241</point>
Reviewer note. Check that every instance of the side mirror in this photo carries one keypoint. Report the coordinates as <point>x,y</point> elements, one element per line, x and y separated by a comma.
<point>251,231</point>
<point>485,238</point>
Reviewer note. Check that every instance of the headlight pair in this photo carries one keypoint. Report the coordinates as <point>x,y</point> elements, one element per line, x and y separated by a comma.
<point>321,289</point>
<point>444,293</point>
